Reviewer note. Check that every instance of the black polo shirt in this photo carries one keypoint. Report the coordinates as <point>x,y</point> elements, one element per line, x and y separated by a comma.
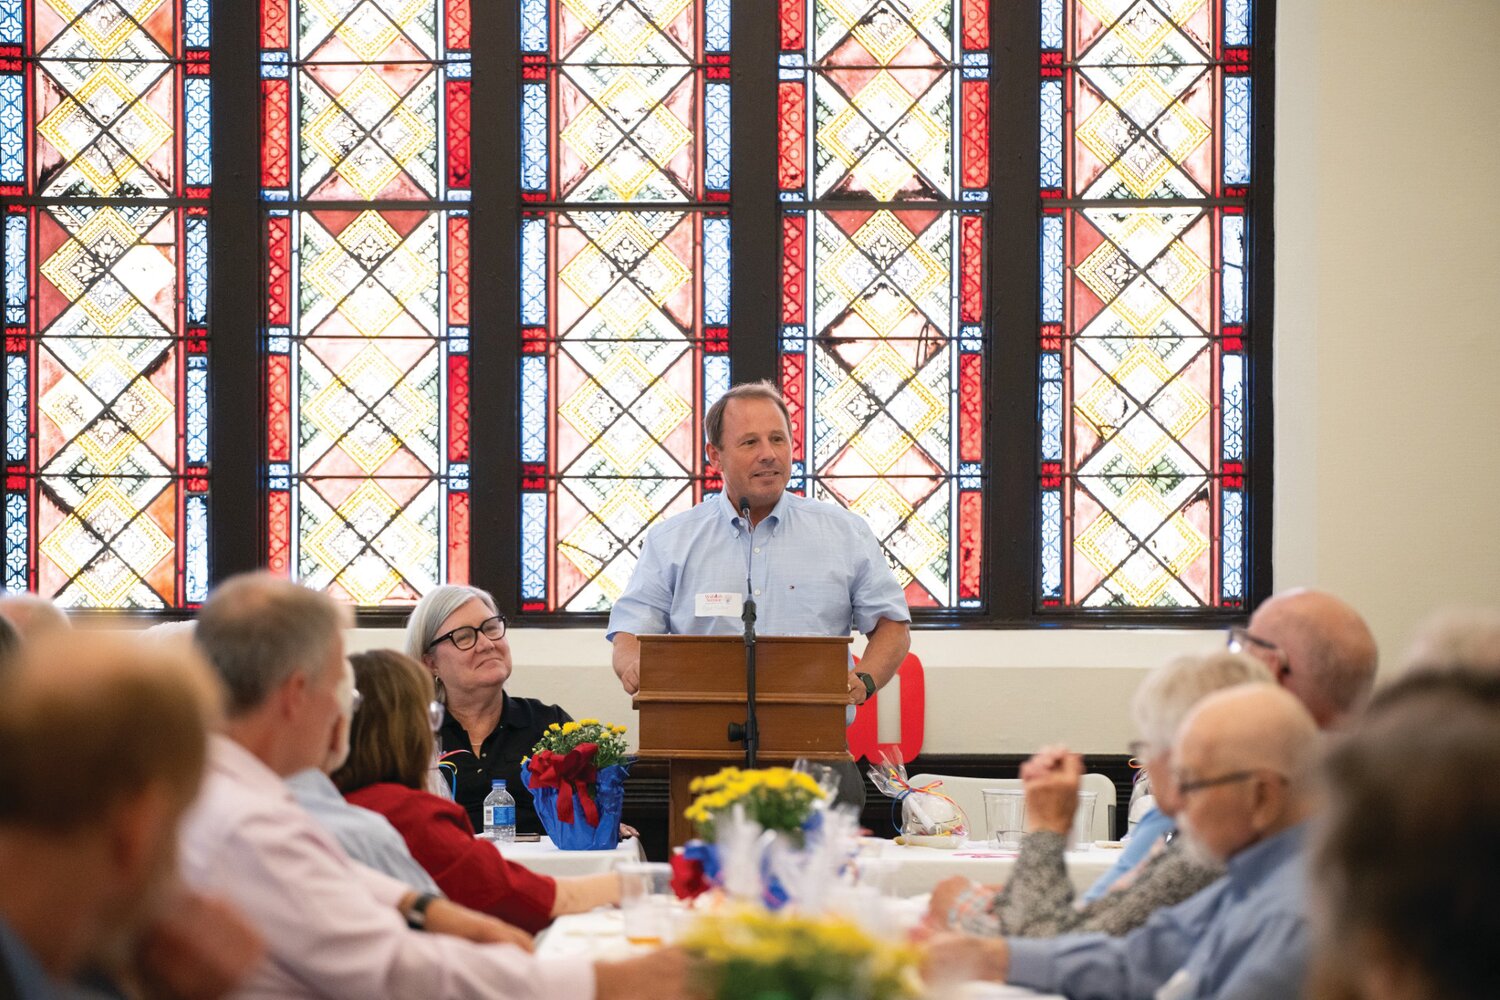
<point>522,722</point>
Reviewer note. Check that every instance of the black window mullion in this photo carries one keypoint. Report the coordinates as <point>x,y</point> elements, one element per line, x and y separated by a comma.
<point>1260,280</point>
<point>755,236</point>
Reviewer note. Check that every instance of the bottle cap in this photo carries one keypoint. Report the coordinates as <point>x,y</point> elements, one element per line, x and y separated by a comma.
<point>497,783</point>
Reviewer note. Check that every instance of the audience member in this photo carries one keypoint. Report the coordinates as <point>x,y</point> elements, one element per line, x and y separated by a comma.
<point>1157,871</point>
<point>1405,873</point>
<point>391,746</point>
<point>1242,762</point>
<point>88,864</point>
<point>1319,648</point>
<point>1457,639</point>
<point>365,836</point>
<point>32,616</point>
<point>336,928</point>
<point>10,642</point>
<point>458,634</point>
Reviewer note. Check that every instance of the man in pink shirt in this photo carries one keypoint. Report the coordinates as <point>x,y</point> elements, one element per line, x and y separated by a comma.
<point>335,928</point>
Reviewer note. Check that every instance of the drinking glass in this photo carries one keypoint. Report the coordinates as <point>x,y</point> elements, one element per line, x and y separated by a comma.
<point>647,901</point>
<point>1083,821</point>
<point>1005,815</point>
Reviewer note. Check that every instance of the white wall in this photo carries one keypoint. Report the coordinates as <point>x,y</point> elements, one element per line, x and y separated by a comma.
<point>1387,360</point>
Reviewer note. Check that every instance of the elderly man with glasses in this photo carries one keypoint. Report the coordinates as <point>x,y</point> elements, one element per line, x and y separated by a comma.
<point>1242,770</point>
<point>1319,648</point>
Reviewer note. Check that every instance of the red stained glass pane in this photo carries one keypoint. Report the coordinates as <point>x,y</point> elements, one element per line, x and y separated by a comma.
<point>458,407</point>
<point>278,408</point>
<point>273,24</point>
<point>793,35</point>
<point>792,390</point>
<point>791,133</point>
<point>279,257</point>
<point>458,538</point>
<point>276,136</point>
<point>279,532</point>
<point>976,24</point>
<point>971,407</point>
<point>793,267</point>
<point>971,264</point>
<point>458,270</point>
<point>460,23</point>
<point>970,542</point>
<point>976,142</point>
<point>458,133</point>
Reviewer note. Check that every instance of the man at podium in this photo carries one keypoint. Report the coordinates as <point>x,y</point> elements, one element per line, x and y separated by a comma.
<point>813,567</point>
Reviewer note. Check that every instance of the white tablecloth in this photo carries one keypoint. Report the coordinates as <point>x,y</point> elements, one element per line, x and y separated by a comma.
<point>911,871</point>
<point>544,858</point>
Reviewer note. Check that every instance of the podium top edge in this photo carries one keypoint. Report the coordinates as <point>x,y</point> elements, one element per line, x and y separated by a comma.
<point>841,640</point>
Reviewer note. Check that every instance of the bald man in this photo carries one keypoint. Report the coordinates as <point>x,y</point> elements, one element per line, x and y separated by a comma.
<point>1319,648</point>
<point>1243,762</point>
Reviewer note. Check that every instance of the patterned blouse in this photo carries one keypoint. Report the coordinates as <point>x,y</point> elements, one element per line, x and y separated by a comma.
<point>1038,900</point>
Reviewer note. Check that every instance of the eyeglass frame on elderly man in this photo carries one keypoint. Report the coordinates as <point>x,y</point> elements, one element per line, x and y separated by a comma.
<point>1238,639</point>
<point>452,634</point>
<point>1186,788</point>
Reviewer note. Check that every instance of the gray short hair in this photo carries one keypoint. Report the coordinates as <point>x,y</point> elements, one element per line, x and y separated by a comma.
<point>1457,639</point>
<point>1170,691</point>
<point>434,608</point>
<point>713,422</point>
<point>258,629</point>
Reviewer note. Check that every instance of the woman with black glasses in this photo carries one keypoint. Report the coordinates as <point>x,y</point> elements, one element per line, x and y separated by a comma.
<point>458,634</point>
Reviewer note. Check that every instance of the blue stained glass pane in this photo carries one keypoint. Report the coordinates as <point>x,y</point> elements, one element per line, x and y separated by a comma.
<point>716,136</point>
<point>1232,537</point>
<point>1234,407</point>
<point>196,416</point>
<point>195,24</point>
<point>16,405</point>
<point>1234,268</point>
<point>1237,130</point>
<point>1051,543</point>
<point>715,378</point>
<point>197,270</point>
<point>534,136</point>
<point>716,272</point>
<point>196,515</point>
<point>1051,139</point>
<point>534,25</point>
<point>12,131</point>
<point>1051,399</point>
<point>1052,269</point>
<point>534,272</point>
<point>1052,24</point>
<point>199,139</point>
<point>15,269</point>
<point>534,409</point>
<point>10,22</point>
<point>534,546</point>
<point>1237,22</point>
<point>716,25</point>
<point>15,543</point>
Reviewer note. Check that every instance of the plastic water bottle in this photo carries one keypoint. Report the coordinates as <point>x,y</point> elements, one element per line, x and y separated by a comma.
<point>499,814</point>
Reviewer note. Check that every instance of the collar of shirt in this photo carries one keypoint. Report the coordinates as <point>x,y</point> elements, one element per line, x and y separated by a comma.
<point>240,765</point>
<point>1251,866</point>
<point>772,520</point>
<point>314,784</point>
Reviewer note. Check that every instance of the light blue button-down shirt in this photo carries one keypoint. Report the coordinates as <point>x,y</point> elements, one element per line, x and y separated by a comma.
<point>1243,938</point>
<point>365,836</point>
<point>1147,832</point>
<point>815,569</point>
<point>23,976</point>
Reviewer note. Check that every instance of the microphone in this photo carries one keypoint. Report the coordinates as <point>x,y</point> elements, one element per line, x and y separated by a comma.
<point>749,733</point>
<point>750,553</point>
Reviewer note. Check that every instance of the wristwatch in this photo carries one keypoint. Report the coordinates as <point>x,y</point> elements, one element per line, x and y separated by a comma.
<point>416,912</point>
<point>869,684</point>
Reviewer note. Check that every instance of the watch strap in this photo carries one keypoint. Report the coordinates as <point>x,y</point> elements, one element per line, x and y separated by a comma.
<point>869,683</point>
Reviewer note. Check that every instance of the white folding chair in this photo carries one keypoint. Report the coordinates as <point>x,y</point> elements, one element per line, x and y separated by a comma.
<point>969,794</point>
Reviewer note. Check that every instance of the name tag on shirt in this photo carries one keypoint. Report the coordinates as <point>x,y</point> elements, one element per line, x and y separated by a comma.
<point>719,604</point>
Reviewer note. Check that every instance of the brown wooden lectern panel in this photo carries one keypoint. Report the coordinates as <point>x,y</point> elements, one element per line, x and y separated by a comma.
<point>693,687</point>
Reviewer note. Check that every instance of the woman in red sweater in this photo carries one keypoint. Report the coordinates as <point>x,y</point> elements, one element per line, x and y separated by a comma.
<point>390,752</point>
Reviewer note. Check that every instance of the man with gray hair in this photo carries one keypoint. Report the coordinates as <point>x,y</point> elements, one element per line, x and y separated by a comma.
<point>814,568</point>
<point>335,928</point>
<point>1465,639</point>
<point>32,616</point>
<point>1243,770</point>
<point>1319,648</point>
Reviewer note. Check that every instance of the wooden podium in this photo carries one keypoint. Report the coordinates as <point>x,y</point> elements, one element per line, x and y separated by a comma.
<point>693,687</point>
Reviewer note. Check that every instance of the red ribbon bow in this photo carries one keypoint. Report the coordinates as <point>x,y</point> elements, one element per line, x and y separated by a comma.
<point>570,774</point>
<point>687,877</point>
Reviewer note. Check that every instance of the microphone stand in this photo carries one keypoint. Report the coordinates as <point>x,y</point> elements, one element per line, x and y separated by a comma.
<point>749,733</point>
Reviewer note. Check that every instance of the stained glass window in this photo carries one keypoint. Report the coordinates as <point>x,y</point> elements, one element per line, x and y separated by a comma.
<point>106,289</point>
<point>1145,176</point>
<point>883,168</point>
<point>624,280</point>
<point>365,178</point>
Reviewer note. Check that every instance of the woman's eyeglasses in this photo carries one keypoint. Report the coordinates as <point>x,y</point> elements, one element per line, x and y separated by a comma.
<point>465,636</point>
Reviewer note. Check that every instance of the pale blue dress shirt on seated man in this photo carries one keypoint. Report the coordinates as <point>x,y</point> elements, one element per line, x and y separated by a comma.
<point>1243,938</point>
<point>365,836</point>
<point>1146,833</point>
